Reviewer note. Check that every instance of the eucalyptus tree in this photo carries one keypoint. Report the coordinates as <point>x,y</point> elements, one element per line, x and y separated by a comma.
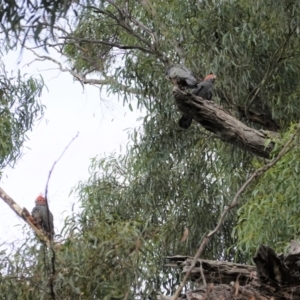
<point>252,47</point>
<point>171,186</point>
<point>23,18</point>
<point>20,107</point>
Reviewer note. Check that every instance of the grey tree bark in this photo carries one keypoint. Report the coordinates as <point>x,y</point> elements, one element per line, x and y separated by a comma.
<point>217,120</point>
<point>272,277</point>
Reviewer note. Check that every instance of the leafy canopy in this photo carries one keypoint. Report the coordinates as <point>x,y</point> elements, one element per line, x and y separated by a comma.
<point>22,18</point>
<point>19,108</point>
<point>136,207</point>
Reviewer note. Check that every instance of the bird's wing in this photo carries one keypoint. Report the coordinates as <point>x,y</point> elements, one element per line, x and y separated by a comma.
<point>204,90</point>
<point>178,71</point>
<point>191,80</point>
<point>36,214</point>
<point>208,89</point>
<point>197,90</point>
<point>184,69</point>
<point>48,222</point>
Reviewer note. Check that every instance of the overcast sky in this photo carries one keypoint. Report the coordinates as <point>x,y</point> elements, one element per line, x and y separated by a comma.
<point>101,122</point>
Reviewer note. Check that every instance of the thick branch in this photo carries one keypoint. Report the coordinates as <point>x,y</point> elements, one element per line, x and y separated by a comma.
<point>217,120</point>
<point>217,272</point>
<point>260,118</point>
<point>272,277</point>
<point>234,203</point>
<point>25,215</point>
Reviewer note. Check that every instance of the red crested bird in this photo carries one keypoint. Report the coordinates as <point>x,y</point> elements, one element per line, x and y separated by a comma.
<point>204,90</point>
<point>181,76</point>
<point>42,216</point>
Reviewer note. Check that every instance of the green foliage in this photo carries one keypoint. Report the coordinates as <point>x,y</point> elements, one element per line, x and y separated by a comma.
<point>19,108</point>
<point>130,219</point>
<point>271,213</point>
<point>156,200</point>
<point>173,178</point>
<point>91,263</point>
<point>29,17</point>
<point>252,48</point>
<point>136,206</point>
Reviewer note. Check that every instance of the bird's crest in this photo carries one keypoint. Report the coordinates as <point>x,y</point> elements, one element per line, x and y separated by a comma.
<point>40,199</point>
<point>210,77</point>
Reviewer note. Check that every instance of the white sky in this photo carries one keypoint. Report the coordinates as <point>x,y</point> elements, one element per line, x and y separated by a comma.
<point>101,123</point>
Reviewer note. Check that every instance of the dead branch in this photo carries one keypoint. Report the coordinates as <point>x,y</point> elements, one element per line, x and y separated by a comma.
<point>51,279</point>
<point>25,215</point>
<point>216,272</point>
<point>54,164</point>
<point>216,119</point>
<point>234,203</point>
<point>273,276</point>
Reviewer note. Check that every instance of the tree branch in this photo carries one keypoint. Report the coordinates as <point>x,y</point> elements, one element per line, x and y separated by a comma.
<point>117,45</point>
<point>51,279</point>
<point>217,120</point>
<point>25,215</point>
<point>227,271</point>
<point>272,275</point>
<point>54,164</point>
<point>234,203</point>
<point>82,78</point>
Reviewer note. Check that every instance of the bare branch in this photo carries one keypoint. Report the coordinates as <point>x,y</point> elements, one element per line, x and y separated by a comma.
<point>54,164</point>
<point>122,21</point>
<point>273,274</point>
<point>202,274</point>
<point>82,78</point>
<point>227,271</point>
<point>234,203</point>
<point>25,215</point>
<point>51,279</point>
<point>117,45</point>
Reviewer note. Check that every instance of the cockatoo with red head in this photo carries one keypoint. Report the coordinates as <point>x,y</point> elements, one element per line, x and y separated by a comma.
<point>42,216</point>
<point>204,90</point>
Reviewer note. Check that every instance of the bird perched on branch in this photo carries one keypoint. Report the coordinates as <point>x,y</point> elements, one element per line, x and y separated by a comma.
<point>43,216</point>
<point>204,90</point>
<point>206,87</point>
<point>181,76</point>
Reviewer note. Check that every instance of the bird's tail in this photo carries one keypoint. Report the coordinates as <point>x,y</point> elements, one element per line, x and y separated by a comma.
<point>185,121</point>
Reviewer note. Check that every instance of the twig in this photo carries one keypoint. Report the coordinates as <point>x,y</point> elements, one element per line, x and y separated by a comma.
<point>273,63</point>
<point>53,294</point>
<point>51,170</point>
<point>106,43</point>
<point>234,202</point>
<point>108,80</point>
<point>202,274</point>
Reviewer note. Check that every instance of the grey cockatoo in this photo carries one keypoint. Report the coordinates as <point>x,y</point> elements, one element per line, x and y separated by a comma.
<point>42,216</point>
<point>181,76</point>
<point>204,90</point>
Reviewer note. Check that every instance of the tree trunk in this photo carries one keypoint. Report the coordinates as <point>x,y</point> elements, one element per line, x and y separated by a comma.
<point>217,120</point>
<point>272,277</point>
